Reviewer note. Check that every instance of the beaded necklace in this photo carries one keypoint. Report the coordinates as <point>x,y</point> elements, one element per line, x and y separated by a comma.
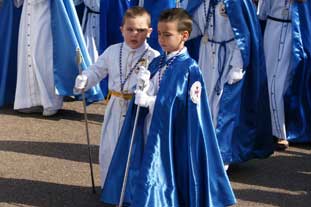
<point>209,13</point>
<point>167,64</point>
<point>122,83</point>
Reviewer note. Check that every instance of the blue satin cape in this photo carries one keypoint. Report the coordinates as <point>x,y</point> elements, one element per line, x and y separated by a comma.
<point>297,98</point>
<point>67,36</point>
<point>244,126</point>
<point>9,26</point>
<point>80,11</point>
<point>180,164</point>
<point>111,16</point>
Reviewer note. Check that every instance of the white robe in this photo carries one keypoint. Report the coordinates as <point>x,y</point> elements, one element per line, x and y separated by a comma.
<point>90,27</point>
<point>213,61</point>
<point>35,78</point>
<point>277,47</point>
<point>108,64</point>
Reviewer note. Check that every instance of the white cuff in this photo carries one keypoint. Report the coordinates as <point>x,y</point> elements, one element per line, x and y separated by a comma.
<point>235,75</point>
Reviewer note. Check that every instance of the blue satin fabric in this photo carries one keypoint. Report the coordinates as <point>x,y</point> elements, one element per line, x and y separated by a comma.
<point>180,164</point>
<point>244,126</point>
<point>245,129</point>
<point>298,95</point>
<point>67,36</point>
<point>193,5</point>
<point>111,16</point>
<point>80,11</point>
<point>9,25</point>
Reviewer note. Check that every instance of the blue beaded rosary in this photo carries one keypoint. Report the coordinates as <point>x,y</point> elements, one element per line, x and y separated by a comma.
<point>122,83</point>
<point>167,64</point>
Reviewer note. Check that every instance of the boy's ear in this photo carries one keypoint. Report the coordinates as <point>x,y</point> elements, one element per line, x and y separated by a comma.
<point>185,35</point>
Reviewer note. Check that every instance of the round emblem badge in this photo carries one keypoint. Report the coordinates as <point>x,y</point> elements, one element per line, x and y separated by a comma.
<point>195,92</point>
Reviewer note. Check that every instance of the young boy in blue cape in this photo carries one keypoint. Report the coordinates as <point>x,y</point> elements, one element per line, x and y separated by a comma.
<point>180,164</point>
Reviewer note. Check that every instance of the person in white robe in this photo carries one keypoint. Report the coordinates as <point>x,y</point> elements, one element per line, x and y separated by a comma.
<point>219,56</point>
<point>277,47</point>
<point>121,62</point>
<point>35,79</point>
<point>90,27</point>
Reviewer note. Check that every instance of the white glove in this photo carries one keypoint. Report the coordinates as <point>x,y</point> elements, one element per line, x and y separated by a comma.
<point>143,77</point>
<point>80,83</point>
<point>143,99</point>
<point>235,75</point>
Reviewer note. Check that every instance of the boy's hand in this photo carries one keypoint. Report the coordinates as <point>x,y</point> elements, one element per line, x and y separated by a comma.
<point>141,98</point>
<point>235,75</point>
<point>144,100</point>
<point>143,77</point>
<point>80,83</point>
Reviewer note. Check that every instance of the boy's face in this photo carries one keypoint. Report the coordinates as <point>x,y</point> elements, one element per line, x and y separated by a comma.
<point>135,31</point>
<point>170,38</point>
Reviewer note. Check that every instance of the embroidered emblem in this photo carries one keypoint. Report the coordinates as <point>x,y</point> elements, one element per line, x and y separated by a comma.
<point>195,92</point>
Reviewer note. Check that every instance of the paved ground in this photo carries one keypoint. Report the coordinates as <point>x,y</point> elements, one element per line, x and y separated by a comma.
<point>44,163</point>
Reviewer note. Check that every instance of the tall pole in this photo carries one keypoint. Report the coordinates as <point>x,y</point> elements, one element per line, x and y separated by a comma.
<point>79,61</point>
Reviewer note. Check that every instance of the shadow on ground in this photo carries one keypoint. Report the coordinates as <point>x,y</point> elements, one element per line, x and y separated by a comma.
<point>67,151</point>
<point>44,194</point>
<point>282,180</point>
<point>63,114</point>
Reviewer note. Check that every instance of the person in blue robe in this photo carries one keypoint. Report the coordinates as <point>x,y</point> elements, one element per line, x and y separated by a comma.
<point>243,128</point>
<point>67,36</point>
<point>297,98</point>
<point>9,24</point>
<point>180,164</point>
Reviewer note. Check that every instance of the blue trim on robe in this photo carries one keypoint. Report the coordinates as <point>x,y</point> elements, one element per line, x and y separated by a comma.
<point>297,98</point>
<point>244,124</point>
<point>67,36</point>
<point>9,26</point>
<point>111,16</point>
<point>180,165</point>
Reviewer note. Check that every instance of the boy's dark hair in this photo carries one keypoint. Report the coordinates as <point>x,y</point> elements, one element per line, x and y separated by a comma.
<point>136,11</point>
<point>184,21</point>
